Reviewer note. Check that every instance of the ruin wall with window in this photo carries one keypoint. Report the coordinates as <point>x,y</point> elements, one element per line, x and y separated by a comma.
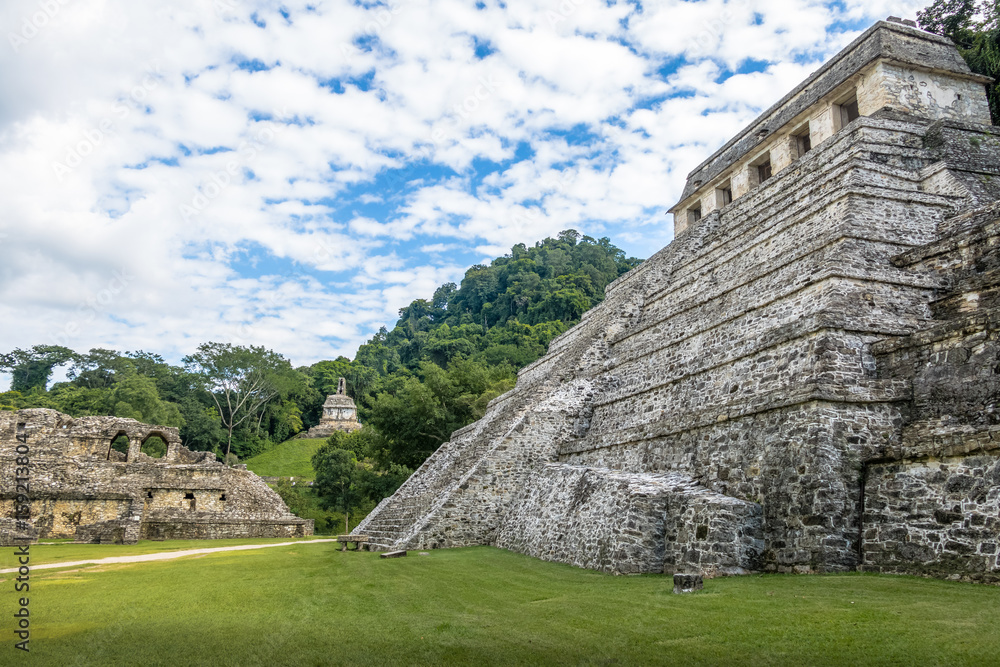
<point>804,380</point>
<point>81,484</point>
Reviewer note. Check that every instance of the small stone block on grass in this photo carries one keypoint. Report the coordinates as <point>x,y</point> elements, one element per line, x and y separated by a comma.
<point>393,554</point>
<point>688,583</point>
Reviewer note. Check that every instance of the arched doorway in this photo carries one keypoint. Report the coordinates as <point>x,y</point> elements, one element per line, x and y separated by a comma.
<point>119,443</point>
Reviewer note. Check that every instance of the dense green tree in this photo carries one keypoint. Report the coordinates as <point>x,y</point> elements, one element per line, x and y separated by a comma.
<point>326,374</point>
<point>241,381</point>
<point>98,368</point>
<point>337,474</point>
<point>347,479</point>
<point>416,414</point>
<point>375,484</point>
<point>32,368</point>
<point>79,401</point>
<point>135,396</point>
<point>202,430</point>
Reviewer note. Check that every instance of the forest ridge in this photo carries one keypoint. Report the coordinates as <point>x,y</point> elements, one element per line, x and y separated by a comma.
<point>433,372</point>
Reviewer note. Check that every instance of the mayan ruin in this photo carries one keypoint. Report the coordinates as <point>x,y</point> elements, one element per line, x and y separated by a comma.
<point>339,414</point>
<point>803,380</point>
<point>83,488</point>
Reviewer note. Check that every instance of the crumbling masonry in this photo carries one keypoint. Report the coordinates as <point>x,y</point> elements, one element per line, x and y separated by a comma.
<point>804,380</point>
<point>78,486</point>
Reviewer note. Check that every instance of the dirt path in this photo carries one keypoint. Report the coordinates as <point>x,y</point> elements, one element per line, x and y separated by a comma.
<point>166,555</point>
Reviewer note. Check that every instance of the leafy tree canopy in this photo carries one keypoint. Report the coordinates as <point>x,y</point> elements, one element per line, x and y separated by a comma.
<point>32,368</point>
<point>242,381</point>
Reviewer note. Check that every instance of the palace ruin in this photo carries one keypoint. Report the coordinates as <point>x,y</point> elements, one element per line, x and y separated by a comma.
<point>804,380</point>
<point>78,485</point>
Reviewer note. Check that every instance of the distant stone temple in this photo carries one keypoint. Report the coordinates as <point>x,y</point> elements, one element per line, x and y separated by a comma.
<point>62,477</point>
<point>805,380</point>
<point>339,414</point>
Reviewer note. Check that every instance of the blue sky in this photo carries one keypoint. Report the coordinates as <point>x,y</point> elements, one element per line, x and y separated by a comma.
<point>290,174</point>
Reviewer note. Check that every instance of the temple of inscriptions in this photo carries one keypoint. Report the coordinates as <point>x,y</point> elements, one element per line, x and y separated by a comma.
<point>804,380</point>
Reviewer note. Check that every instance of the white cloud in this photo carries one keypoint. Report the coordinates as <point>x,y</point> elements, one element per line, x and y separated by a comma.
<point>176,173</point>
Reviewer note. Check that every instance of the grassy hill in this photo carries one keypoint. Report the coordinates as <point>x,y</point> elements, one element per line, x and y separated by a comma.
<point>311,604</point>
<point>291,458</point>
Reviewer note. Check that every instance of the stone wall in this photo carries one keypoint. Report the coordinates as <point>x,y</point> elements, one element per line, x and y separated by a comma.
<point>932,503</point>
<point>78,487</point>
<point>630,523</point>
<point>937,516</point>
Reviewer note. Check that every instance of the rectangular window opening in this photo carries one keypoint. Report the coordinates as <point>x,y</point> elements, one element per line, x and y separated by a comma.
<point>724,194</point>
<point>764,171</point>
<point>803,141</point>
<point>846,109</point>
<point>694,213</point>
<point>851,110</point>
<point>759,170</point>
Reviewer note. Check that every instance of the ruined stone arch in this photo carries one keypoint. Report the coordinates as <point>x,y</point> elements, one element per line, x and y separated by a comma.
<point>124,450</point>
<point>162,437</point>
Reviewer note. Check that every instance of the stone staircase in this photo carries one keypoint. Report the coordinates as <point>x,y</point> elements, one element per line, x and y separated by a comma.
<point>397,518</point>
<point>390,520</point>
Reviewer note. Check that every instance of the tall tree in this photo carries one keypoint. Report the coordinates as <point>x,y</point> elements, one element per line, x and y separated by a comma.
<point>241,380</point>
<point>97,368</point>
<point>136,396</point>
<point>32,368</point>
<point>336,477</point>
<point>347,477</point>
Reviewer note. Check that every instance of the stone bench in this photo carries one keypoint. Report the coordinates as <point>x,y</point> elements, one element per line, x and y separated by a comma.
<point>358,540</point>
<point>393,554</point>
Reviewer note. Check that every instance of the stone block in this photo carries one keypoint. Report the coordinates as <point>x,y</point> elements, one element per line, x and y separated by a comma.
<point>688,583</point>
<point>393,554</point>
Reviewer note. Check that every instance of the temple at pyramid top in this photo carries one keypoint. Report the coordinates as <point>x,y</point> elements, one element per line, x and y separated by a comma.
<point>892,66</point>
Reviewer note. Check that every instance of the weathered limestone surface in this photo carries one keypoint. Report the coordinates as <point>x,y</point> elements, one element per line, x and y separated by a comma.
<point>627,522</point>
<point>804,380</point>
<point>79,487</point>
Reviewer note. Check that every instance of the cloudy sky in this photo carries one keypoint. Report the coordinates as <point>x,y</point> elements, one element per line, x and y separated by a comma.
<point>290,174</point>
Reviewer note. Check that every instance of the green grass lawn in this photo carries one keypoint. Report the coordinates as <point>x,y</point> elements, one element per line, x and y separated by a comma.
<point>291,458</point>
<point>314,605</point>
<point>66,551</point>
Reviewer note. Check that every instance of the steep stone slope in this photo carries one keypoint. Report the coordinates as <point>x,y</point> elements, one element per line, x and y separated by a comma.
<point>932,504</point>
